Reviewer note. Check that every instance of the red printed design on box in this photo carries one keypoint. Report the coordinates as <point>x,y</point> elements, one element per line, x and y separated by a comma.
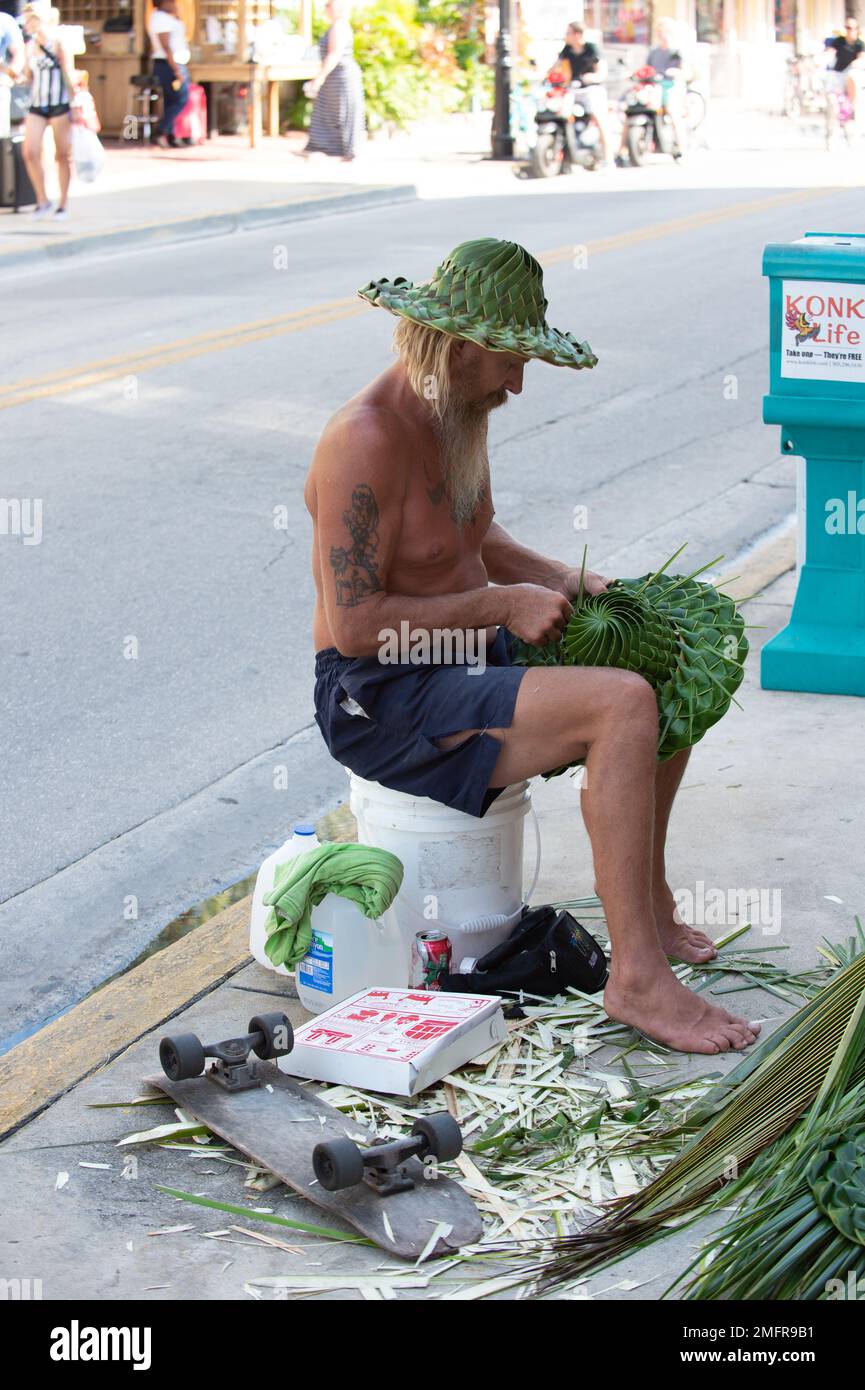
<point>326,1037</point>
<point>383,1023</point>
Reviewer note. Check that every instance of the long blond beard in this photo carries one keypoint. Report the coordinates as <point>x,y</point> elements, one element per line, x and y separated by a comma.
<point>462,432</point>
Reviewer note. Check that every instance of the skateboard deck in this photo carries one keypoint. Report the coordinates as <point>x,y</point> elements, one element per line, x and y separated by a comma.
<point>279,1123</point>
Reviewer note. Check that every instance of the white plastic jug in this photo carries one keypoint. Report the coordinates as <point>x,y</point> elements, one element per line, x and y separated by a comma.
<point>349,952</point>
<point>302,839</point>
<point>463,874</point>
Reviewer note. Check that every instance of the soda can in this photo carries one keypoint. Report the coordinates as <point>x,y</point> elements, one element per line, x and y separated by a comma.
<point>430,959</point>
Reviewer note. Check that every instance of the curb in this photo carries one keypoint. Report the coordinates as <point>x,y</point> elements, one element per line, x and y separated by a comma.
<point>755,568</point>
<point>46,1065</point>
<point>211,224</point>
<point>92,1033</point>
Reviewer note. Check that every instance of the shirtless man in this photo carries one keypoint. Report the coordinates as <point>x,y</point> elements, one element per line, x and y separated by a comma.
<point>399,493</point>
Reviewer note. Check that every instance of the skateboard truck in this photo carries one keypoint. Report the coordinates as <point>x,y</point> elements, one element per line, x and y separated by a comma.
<point>340,1163</point>
<point>183,1057</point>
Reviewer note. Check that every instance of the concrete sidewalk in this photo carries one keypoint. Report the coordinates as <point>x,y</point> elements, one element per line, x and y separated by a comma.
<point>766,803</point>
<point>148,195</point>
<point>145,195</point>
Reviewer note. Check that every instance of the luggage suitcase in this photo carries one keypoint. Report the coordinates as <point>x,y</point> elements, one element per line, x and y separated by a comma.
<point>16,190</point>
<point>191,124</point>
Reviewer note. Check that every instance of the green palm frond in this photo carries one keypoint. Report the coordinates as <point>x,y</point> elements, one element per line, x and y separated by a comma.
<point>803,1223</point>
<point>754,1106</point>
<point>687,640</point>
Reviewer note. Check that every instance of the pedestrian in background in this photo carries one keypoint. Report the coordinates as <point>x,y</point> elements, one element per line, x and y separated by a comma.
<point>11,63</point>
<point>841,78</point>
<point>667,60</point>
<point>11,47</point>
<point>589,71</point>
<point>170,57</point>
<point>337,125</point>
<point>50,69</point>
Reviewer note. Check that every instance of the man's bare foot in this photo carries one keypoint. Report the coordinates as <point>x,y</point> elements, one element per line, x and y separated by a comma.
<point>678,940</point>
<point>656,1004</point>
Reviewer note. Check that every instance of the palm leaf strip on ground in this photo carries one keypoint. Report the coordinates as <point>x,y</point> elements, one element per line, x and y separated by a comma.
<point>756,1104</point>
<point>803,1224</point>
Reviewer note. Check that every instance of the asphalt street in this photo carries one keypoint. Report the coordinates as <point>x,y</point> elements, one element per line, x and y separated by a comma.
<point>162,407</point>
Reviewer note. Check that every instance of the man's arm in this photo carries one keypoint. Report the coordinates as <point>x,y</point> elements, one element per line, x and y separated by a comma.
<point>508,562</point>
<point>360,484</point>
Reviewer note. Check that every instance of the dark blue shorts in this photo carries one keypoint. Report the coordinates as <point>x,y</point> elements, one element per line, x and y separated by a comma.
<point>408,707</point>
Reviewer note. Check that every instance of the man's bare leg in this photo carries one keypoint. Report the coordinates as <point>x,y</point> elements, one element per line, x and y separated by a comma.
<point>610,718</point>
<point>679,941</point>
<point>677,938</point>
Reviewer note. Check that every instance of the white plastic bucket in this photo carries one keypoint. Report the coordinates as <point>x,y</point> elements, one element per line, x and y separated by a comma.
<point>463,874</point>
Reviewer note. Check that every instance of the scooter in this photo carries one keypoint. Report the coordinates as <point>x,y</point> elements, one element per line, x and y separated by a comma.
<point>648,124</point>
<point>566,134</point>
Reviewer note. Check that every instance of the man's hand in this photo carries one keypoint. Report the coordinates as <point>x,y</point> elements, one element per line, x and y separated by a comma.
<point>536,614</point>
<point>592,583</point>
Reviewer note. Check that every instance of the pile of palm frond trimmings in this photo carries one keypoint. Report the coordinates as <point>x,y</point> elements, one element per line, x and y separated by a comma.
<point>687,639</point>
<point>787,1126</point>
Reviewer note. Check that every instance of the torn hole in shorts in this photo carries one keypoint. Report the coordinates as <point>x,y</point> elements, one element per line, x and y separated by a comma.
<point>352,707</point>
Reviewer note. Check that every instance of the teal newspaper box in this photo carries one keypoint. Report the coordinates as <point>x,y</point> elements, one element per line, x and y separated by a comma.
<point>817,396</point>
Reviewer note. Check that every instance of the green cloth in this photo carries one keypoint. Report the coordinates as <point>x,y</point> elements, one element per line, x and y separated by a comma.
<point>365,875</point>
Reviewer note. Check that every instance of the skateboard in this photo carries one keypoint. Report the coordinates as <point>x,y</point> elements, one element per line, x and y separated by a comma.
<point>392,1192</point>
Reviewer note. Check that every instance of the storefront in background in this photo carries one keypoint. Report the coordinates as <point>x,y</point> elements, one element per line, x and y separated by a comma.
<point>734,48</point>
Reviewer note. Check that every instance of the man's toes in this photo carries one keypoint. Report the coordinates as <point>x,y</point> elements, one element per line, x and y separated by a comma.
<point>700,938</point>
<point>734,1018</point>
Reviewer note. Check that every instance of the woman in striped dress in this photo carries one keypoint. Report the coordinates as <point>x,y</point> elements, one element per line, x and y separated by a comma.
<point>50,69</point>
<point>337,124</point>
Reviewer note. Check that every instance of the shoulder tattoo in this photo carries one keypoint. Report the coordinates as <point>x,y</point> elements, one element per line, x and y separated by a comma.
<point>354,565</point>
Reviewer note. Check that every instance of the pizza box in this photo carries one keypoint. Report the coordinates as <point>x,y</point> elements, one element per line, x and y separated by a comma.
<point>397,1041</point>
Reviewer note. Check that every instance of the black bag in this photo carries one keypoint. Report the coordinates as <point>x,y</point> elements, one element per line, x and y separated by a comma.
<point>19,102</point>
<point>16,190</point>
<point>547,951</point>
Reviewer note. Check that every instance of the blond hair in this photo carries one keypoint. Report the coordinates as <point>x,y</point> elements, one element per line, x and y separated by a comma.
<point>426,355</point>
<point>47,14</point>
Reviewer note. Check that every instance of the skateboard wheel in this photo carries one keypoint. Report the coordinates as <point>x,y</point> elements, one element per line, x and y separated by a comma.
<point>277,1035</point>
<point>442,1133</point>
<point>337,1163</point>
<point>181,1057</point>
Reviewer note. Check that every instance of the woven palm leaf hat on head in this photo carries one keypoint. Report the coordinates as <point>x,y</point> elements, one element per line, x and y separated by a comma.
<point>490,292</point>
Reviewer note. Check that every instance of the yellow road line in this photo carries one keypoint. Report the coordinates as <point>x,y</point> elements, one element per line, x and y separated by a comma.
<point>212,335</point>
<point>166,356</point>
<point>141,360</point>
<point>692,222</point>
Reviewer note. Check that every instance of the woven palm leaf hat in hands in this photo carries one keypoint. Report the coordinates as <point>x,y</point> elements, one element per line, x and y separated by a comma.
<point>491,292</point>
